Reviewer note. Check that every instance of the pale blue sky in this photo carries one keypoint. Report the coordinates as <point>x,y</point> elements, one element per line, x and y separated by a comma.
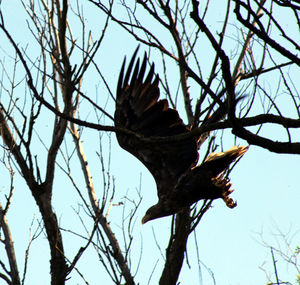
<point>229,241</point>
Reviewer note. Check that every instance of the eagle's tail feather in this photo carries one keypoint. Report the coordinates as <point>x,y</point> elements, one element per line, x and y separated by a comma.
<point>234,152</point>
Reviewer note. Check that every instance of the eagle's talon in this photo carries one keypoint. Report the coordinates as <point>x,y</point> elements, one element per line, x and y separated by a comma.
<point>230,203</point>
<point>228,192</point>
<point>225,186</point>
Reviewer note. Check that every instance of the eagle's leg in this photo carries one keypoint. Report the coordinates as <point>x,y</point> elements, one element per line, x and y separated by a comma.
<point>224,185</point>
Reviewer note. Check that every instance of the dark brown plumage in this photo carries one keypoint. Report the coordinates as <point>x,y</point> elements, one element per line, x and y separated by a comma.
<point>173,164</point>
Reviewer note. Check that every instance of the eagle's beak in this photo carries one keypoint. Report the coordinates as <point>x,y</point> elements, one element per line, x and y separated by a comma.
<point>145,219</point>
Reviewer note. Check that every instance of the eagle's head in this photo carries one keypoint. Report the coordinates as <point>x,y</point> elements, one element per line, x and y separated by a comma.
<point>161,209</point>
<point>152,213</point>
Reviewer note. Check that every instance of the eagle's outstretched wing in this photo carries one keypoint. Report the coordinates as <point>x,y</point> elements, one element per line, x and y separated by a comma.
<point>139,109</point>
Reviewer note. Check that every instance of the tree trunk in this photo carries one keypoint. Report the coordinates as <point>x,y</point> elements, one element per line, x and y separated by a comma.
<point>176,249</point>
<point>57,261</point>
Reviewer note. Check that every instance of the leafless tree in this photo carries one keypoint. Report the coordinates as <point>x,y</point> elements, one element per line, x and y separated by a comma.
<point>282,250</point>
<point>248,43</point>
<point>60,82</point>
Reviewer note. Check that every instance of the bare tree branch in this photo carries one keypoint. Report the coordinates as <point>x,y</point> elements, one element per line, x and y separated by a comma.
<point>14,277</point>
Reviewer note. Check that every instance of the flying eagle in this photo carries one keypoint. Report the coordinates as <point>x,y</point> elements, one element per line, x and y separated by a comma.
<point>180,183</point>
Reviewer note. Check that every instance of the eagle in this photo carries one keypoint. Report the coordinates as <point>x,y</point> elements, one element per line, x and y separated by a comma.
<point>173,164</point>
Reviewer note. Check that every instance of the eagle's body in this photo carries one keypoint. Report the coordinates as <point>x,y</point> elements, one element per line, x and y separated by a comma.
<point>173,164</point>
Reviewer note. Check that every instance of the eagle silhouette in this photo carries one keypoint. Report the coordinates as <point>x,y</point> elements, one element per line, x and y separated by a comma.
<point>180,183</point>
